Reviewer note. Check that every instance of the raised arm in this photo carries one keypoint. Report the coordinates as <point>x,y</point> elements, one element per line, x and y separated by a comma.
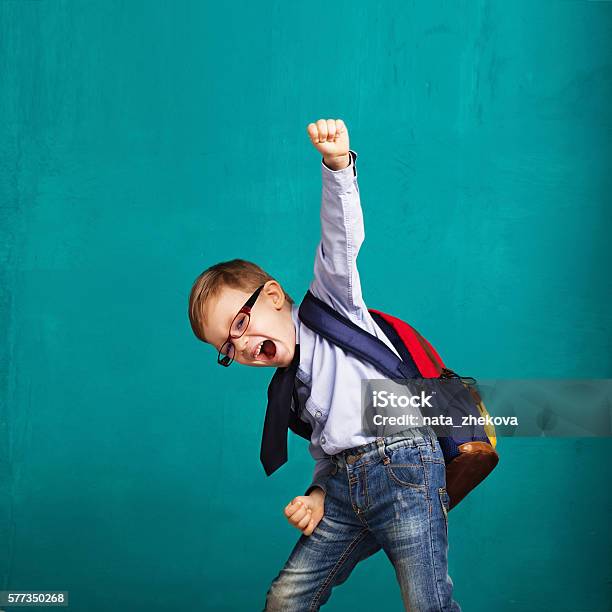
<point>336,279</point>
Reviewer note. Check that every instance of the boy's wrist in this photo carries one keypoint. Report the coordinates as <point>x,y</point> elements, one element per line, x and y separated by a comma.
<point>317,492</point>
<point>339,162</point>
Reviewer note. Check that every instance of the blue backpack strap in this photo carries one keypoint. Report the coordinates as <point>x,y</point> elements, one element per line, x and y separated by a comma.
<point>333,326</point>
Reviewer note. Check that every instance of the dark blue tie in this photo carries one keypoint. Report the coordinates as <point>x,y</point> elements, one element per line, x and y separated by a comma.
<point>274,438</point>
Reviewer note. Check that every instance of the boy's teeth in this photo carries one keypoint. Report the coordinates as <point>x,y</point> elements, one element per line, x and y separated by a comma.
<point>258,349</point>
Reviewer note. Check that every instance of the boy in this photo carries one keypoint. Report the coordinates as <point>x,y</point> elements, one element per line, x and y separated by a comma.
<point>367,493</point>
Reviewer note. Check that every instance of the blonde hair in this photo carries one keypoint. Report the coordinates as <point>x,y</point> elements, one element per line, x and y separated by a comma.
<point>237,274</point>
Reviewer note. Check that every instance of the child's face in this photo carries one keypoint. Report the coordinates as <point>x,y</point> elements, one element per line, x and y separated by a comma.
<point>270,324</point>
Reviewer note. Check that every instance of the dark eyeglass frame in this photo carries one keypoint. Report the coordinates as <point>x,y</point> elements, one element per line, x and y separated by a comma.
<point>226,359</point>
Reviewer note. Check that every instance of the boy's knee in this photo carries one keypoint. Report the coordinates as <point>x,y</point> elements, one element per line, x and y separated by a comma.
<point>285,595</point>
<point>279,597</point>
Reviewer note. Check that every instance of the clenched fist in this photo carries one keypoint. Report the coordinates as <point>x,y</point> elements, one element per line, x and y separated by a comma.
<point>306,511</point>
<point>330,137</point>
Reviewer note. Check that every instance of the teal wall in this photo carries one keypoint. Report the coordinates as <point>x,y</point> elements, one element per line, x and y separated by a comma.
<point>144,141</point>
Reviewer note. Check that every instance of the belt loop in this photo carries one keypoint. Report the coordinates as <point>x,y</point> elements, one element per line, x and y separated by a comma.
<point>380,443</point>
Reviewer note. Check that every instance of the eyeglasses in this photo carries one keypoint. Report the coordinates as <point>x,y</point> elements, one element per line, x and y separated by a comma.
<point>239,325</point>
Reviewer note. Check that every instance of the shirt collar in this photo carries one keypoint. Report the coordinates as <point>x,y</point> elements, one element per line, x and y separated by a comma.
<point>296,321</point>
<point>301,373</point>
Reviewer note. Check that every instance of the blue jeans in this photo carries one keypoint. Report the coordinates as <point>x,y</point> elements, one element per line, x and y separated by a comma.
<point>388,494</point>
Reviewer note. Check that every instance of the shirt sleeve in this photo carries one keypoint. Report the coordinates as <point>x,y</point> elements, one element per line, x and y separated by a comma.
<point>323,464</point>
<point>336,279</point>
<point>324,468</point>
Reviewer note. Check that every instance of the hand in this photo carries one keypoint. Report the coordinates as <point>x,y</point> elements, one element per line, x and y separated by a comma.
<point>330,137</point>
<point>306,511</point>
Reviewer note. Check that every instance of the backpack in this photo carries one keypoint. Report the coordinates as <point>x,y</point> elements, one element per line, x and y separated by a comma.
<point>469,460</point>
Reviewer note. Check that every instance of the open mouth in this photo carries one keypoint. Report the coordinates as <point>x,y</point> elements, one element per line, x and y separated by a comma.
<point>264,351</point>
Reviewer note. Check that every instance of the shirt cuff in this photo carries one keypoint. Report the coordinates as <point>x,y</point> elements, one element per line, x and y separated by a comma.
<point>320,480</point>
<point>343,176</point>
<point>318,483</point>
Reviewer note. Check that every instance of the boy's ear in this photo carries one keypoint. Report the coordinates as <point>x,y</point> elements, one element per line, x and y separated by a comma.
<point>275,293</point>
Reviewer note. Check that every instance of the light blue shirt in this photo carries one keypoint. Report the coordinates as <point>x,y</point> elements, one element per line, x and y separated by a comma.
<point>328,380</point>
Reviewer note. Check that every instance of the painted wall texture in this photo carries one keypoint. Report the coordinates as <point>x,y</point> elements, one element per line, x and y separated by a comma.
<point>144,141</point>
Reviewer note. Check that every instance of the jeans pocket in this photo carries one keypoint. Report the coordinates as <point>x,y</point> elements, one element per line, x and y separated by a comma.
<point>406,468</point>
